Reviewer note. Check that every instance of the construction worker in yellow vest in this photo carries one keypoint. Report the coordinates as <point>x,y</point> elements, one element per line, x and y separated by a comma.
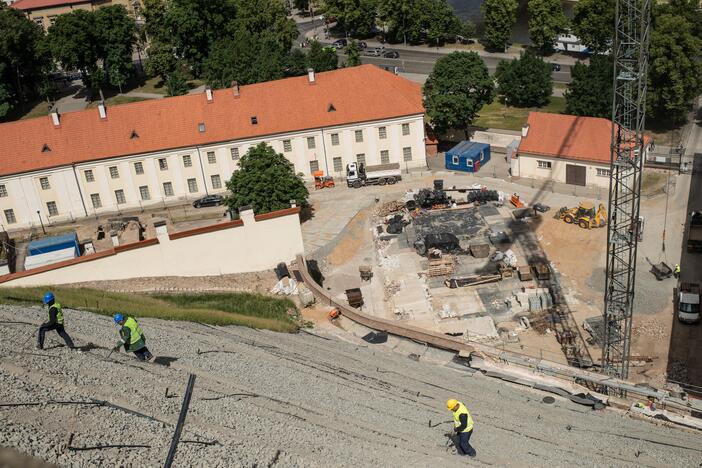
<point>55,322</point>
<point>462,426</point>
<point>132,337</point>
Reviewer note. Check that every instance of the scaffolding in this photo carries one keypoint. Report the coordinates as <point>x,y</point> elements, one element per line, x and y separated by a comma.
<point>630,50</point>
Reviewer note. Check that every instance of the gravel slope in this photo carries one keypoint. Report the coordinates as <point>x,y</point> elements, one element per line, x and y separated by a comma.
<point>289,400</point>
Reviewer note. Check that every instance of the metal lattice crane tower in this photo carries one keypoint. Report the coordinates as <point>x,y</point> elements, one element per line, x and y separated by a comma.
<point>630,51</point>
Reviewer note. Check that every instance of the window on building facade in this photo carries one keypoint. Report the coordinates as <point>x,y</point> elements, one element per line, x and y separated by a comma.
<point>287,146</point>
<point>216,182</point>
<point>335,139</point>
<point>3,191</point>
<point>314,166</point>
<point>543,164</point>
<point>455,160</point>
<point>144,192</point>
<point>405,129</point>
<point>119,196</point>
<point>139,168</point>
<point>211,158</point>
<point>361,158</point>
<point>407,153</point>
<point>338,164</point>
<point>382,133</point>
<point>52,19</point>
<point>44,182</point>
<point>168,189</point>
<point>39,20</point>
<point>10,216</point>
<point>359,136</point>
<point>187,161</point>
<point>385,157</point>
<point>89,177</point>
<point>201,127</point>
<point>311,143</point>
<point>52,208</point>
<point>235,153</point>
<point>163,164</point>
<point>95,199</point>
<point>603,172</point>
<point>114,172</point>
<point>192,185</point>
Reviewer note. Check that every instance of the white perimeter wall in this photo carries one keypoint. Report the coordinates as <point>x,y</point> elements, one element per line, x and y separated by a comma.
<point>253,246</point>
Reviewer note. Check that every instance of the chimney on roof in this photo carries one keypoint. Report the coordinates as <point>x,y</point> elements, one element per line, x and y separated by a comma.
<point>310,75</point>
<point>235,88</point>
<point>55,118</point>
<point>102,110</point>
<point>208,93</point>
<point>525,130</point>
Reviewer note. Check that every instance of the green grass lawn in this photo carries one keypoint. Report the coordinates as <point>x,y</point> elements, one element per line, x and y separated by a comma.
<point>116,100</point>
<point>495,115</point>
<point>244,309</point>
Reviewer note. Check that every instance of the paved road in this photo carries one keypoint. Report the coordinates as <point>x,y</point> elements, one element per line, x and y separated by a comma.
<point>685,354</point>
<point>422,62</point>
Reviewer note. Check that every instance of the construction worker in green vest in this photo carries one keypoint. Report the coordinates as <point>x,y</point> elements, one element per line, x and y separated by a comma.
<point>676,270</point>
<point>462,426</point>
<point>55,322</point>
<point>132,337</point>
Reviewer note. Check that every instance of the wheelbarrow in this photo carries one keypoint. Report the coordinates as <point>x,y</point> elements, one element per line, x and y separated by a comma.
<point>661,271</point>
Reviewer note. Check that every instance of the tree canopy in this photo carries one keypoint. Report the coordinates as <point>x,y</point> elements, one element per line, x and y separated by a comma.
<point>353,55</point>
<point>500,17</point>
<point>526,81</point>
<point>356,17</point>
<point>266,180</point>
<point>321,58</point>
<point>546,22</point>
<point>415,21</point>
<point>590,91</point>
<point>593,23</point>
<point>456,90</point>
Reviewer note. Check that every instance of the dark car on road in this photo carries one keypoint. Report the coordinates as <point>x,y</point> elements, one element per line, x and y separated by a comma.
<point>362,45</point>
<point>340,43</point>
<point>555,67</point>
<point>391,54</point>
<point>208,200</point>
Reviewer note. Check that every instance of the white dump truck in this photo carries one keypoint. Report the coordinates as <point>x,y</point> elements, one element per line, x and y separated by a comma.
<point>358,175</point>
<point>688,302</point>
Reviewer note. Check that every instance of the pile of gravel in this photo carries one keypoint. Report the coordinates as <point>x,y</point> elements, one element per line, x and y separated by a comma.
<point>265,399</point>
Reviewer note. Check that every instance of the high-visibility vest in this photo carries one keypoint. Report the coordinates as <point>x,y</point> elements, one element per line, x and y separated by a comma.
<point>457,418</point>
<point>134,330</point>
<point>59,312</point>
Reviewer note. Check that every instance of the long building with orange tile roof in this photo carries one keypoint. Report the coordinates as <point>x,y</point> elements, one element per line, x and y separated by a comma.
<point>171,150</point>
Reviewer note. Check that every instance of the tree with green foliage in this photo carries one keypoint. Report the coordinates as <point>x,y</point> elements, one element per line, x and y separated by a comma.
<point>415,20</point>
<point>356,17</point>
<point>116,31</point>
<point>688,9</point>
<point>441,22</point>
<point>162,60</point>
<point>589,92</point>
<point>546,22</point>
<point>75,44</point>
<point>593,23</point>
<point>353,55</point>
<point>456,90</point>
<point>176,81</point>
<point>526,81</point>
<point>24,59</point>
<point>265,16</point>
<point>500,17</point>
<point>302,5</point>
<point>321,58</point>
<point>295,63</point>
<point>266,181</point>
<point>245,58</point>
<point>675,73</point>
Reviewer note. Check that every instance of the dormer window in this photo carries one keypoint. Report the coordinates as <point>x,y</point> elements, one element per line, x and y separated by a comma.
<point>254,120</point>
<point>133,135</point>
<point>45,148</point>
<point>331,108</point>
<point>201,127</point>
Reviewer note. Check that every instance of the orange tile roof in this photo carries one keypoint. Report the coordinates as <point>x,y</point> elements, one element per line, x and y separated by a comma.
<point>38,4</point>
<point>359,94</point>
<point>568,136</point>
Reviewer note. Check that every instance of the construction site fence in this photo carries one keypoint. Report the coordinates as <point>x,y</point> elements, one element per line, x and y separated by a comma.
<point>449,343</point>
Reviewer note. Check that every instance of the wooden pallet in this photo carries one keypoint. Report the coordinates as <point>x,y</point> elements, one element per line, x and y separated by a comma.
<point>441,267</point>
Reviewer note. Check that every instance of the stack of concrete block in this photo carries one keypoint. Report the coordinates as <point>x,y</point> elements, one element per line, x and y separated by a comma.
<point>534,300</point>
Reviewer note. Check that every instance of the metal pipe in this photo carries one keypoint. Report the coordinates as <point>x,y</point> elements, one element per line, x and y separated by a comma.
<point>181,421</point>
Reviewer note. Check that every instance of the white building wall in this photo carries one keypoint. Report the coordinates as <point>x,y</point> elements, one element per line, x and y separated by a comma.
<point>527,166</point>
<point>26,197</point>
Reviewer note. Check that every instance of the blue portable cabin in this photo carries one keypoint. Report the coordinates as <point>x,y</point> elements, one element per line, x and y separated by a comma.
<point>467,156</point>
<point>52,244</point>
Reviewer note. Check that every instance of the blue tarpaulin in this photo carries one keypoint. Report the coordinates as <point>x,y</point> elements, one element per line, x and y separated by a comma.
<point>467,156</point>
<point>52,244</point>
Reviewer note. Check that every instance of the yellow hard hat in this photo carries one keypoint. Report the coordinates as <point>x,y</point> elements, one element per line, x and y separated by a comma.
<point>451,404</point>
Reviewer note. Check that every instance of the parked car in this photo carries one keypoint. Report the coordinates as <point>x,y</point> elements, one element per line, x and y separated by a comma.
<point>362,45</point>
<point>373,52</point>
<point>340,43</point>
<point>393,54</point>
<point>331,49</point>
<point>555,67</point>
<point>208,200</point>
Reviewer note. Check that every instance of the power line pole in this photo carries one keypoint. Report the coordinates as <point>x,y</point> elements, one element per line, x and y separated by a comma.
<point>630,50</point>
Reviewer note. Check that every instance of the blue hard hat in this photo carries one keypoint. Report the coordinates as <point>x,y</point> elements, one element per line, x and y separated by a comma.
<point>118,318</point>
<point>48,297</point>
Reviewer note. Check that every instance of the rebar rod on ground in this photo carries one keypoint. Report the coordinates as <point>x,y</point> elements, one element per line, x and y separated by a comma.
<point>181,421</point>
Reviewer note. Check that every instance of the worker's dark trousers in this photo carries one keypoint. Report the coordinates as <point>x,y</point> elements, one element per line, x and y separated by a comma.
<point>464,443</point>
<point>59,329</point>
<point>143,354</point>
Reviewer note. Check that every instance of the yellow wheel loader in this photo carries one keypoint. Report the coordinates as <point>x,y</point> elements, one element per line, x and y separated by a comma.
<point>584,215</point>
